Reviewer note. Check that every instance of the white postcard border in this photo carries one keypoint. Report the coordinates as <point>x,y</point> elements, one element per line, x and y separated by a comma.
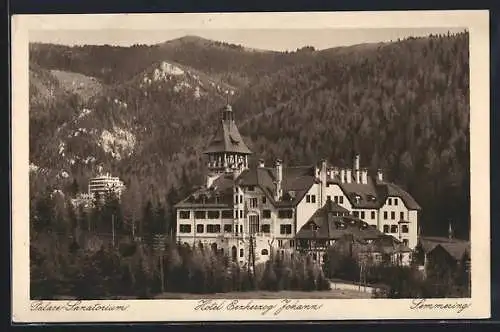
<point>476,22</point>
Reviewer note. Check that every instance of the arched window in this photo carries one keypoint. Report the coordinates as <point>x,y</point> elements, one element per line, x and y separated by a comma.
<point>214,247</point>
<point>234,253</point>
<point>264,252</point>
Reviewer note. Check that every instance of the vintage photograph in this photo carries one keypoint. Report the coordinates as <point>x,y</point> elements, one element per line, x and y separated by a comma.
<point>246,163</point>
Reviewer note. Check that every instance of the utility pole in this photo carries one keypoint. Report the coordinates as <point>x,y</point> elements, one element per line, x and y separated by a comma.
<point>161,273</point>
<point>113,228</point>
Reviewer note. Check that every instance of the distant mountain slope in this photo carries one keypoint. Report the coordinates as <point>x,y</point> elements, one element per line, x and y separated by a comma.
<point>84,86</point>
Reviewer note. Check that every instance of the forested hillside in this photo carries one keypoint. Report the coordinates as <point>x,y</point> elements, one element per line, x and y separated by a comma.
<point>404,106</point>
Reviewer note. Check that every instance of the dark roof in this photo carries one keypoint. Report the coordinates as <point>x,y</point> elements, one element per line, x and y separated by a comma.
<point>325,225</point>
<point>296,182</point>
<point>455,247</point>
<point>373,194</point>
<point>219,195</point>
<point>227,138</point>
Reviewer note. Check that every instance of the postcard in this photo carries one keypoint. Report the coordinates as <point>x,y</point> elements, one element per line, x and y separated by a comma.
<point>250,166</point>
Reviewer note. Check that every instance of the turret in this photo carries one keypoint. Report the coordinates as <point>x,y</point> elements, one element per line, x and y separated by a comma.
<point>227,152</point>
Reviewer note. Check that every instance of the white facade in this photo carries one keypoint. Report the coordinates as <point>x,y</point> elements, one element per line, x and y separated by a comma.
<point>105,183</point>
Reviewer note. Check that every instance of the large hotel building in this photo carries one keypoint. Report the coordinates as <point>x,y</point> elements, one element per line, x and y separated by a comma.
<point>280,208</point>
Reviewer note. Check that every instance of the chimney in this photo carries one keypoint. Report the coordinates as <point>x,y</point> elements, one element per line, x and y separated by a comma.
<point>348,175</point>
<point>279,179</point>
<point>322,176</point>
<point>335,172</point>
<point>364,176</point>
<point>342,175</point>
<point>261,163</point>
<point>356,168</point>
<point>380,176</point>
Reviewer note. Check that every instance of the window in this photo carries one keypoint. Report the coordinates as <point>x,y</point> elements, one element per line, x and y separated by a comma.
<point>386,228</point>
<point>251,188</point>
<point>235,199</point>
<point>404,228</point>
<point>373,214</point>
<point>253,202</point>
<point>241,228</point>
<point>328,197</point>
<point>184,214</point>
<point>313,198</point>
<point>228,228</point>
<point>394,228</point>
<point>292,244</point>
<point>362,214</point>
<point>280,243</point>
<point>405,242</point>
<point>213,228</point>
<point>227,214</point>
<point>285,214</point>
<point>336,199</point>
<point>253,221</point>
<point>356,214</point>
<point>241,199</point>
<point>200,214</point>
<point>401,215</point>
<point>385,214</point>
<point>286,229</point>
<point>213,214</point>
<point>341,199</point>
<point>235,214</point>
<point>308,198</point>
<point>241,213</point>
<point>241,253</point>
<point>396,201</point>
<point>264,199</point>
<point>266,214</point>
<point>393,215</point>
<point>264,252</point>
<point>184,228</point>
<point>389,201</point>
<point>265,228</point>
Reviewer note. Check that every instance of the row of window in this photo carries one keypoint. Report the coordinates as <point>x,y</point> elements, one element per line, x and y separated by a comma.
<point>228,214</point>
<point>185,228</point>
<point>266,228</point>
<point>336,199</point>
<point>394,229</point>
<point>393,215</point>
<point>266,214</point>
<point>361,214</point>
<point>310,198</point>
<point>392,201</point>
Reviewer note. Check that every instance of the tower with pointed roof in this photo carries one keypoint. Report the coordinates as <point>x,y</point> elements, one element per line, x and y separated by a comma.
<point>226,152</point>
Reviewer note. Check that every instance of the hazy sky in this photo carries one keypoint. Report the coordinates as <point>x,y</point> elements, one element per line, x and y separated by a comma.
<point>275,39</point>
